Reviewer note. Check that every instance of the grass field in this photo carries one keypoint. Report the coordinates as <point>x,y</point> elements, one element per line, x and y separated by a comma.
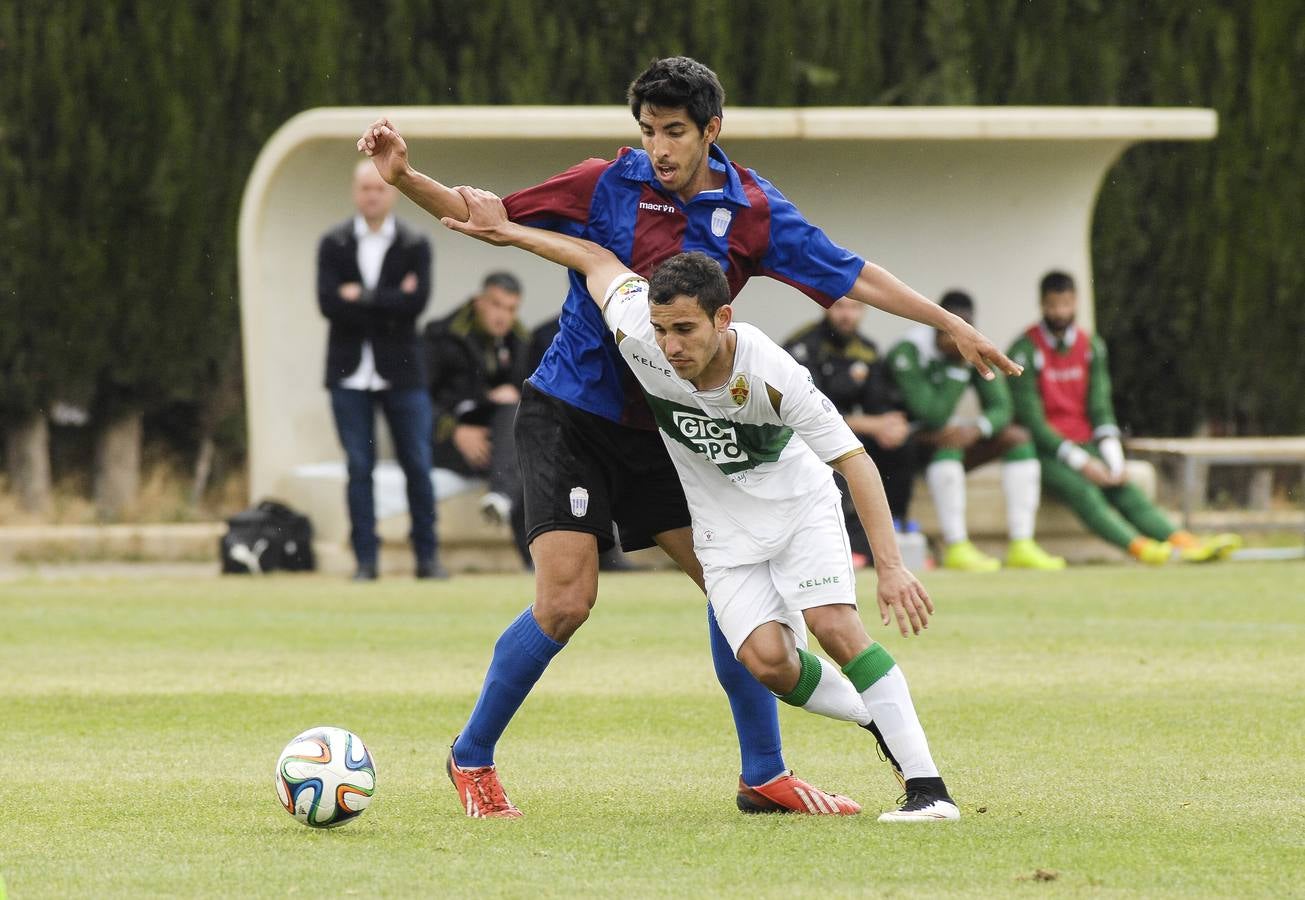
<point>1129,732</point>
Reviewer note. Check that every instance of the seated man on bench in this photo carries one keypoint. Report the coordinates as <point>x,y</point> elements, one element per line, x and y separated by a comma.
<point>1064,400</point>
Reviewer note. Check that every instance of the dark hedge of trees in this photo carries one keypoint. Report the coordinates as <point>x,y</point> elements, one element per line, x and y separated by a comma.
<point>128,129</point>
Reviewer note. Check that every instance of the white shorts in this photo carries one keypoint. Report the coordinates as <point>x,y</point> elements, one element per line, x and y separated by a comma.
<point>814,570</point>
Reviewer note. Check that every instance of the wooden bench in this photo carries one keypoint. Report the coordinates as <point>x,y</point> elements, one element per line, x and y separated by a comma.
<point>1194,458</point>
<point>470,543</point>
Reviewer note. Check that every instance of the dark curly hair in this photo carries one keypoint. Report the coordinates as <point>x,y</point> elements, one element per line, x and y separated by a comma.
<point>694,275</point>
<point>679,82</point>
<point>1055,282</point>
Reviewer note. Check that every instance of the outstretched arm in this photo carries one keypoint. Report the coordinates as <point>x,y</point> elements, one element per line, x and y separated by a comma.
<point>389,152</point>
<point>878,287</point>
<point>487,221</point>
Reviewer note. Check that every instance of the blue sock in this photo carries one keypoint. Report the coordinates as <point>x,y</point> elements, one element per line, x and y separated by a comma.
<point>522,653</point>
<point>756,714</point>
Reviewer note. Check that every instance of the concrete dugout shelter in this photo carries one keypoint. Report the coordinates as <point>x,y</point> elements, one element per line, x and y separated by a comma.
<point>985,199</point>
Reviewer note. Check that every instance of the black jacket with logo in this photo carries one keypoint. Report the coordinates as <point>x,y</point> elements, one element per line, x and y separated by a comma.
<point>847,370</point>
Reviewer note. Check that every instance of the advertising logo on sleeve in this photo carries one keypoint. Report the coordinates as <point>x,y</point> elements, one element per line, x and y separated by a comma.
<point>632,287</point>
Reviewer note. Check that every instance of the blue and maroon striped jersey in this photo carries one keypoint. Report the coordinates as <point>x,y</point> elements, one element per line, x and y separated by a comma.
<point>747,226</point>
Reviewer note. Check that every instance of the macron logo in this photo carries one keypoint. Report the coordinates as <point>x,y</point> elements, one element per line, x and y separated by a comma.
<point>657,207</point>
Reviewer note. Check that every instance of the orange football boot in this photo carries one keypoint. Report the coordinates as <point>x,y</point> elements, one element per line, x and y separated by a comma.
<point>787,793</point>
<point>480,792</point>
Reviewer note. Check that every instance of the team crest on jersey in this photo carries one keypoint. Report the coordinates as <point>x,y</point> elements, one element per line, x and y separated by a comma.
<point>579,502</point>
<point>720,221</point>
<point>739,390</point>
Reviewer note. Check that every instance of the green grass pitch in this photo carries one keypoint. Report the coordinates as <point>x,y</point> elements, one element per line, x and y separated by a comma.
<point>1129,732</point>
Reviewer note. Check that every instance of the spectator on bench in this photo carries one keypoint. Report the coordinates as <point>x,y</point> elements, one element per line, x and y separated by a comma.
<point>933,377</point>
<point>477,360</point>
<point>1064,399</point>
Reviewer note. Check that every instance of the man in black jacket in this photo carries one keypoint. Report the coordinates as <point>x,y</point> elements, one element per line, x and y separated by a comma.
<point>477,359</point>
<point>373,280</point>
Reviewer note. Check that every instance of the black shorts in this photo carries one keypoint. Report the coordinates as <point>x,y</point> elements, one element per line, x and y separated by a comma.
<point>582,472</point>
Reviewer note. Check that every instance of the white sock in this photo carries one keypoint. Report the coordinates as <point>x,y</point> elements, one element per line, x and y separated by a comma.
<point>1021,482</point>
<point>888,701</point>
<point>946,480</point>
<point>821,689</point>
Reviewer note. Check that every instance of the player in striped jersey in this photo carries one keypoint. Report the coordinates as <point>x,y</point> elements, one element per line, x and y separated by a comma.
<point>753,441</point>
<point>679,192</point>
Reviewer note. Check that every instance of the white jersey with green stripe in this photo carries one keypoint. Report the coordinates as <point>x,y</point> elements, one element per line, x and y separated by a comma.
<point>752,453</point>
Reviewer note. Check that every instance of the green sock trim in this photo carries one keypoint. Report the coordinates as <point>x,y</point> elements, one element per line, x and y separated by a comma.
<point>946,453</point>
<point>869,666</point>
<point>807,680</point>
<point>1020,451</point>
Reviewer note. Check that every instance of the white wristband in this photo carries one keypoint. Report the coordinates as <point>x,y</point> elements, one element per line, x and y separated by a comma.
<point>1113,454</point>
<point>1073,455</point>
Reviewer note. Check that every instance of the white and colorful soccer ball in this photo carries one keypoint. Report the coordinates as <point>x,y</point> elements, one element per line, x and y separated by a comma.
<point>325,777</point>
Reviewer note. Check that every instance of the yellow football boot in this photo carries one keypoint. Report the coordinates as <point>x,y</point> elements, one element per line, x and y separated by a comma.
<point>1026,554</point>
<point>1211,549</point>
<point>963,556</point>
<point>1153,553</point>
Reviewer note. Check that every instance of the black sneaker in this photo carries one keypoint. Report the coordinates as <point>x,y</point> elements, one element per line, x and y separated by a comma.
<point>365,572</point>
<point>886,755</point>
<point>431,568</point>
<point>925,800</point>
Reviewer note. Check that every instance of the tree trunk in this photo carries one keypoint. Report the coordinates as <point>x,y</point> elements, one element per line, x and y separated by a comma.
<point>117,465</point>
<point>203,470</point>
<point>27,454</point>
<point>224,397</point>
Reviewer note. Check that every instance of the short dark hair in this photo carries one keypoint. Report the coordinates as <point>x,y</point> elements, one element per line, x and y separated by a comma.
<point>504,281</point>
<point>694,275</point>
<point>676,82</point>
<point>1055,282</point>
<point>958,302</point>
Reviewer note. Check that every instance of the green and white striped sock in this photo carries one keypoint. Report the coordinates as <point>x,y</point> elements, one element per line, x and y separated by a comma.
<point>883,688</point>
<point>823,691</point>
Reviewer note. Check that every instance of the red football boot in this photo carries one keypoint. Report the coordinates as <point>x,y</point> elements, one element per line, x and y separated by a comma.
<point>480,792</point>
<point>788,793</point>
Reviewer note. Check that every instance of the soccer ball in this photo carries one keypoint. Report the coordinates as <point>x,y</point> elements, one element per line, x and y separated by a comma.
<point>325,777</point>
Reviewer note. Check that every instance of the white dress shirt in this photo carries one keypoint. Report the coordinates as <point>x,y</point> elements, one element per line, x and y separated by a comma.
<point>372,247</point>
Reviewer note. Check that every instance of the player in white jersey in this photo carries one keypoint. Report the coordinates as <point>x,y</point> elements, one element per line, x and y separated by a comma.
<point>753,442</point>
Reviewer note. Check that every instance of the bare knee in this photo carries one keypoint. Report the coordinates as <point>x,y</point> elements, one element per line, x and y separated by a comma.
<point>566,584</point>
<point>1012,436</point>
<point>560,614</point>
<point>839,630</point>
<point>773,662</point>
